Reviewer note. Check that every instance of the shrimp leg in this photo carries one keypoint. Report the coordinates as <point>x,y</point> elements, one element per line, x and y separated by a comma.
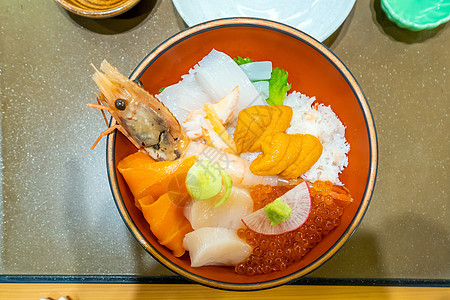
<point>110,130</point>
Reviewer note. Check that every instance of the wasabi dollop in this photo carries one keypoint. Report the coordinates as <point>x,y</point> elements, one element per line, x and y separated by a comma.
<point>277,211</point>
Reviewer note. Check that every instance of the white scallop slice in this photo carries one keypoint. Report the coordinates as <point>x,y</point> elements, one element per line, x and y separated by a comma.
<point>205,213</point>
<point>215,246</point>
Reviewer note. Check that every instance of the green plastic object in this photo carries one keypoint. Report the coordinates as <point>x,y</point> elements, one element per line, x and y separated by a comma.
<point>417,14</point>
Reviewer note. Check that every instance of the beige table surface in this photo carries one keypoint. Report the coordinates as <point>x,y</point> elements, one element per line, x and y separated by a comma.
<point>57,213</point>
<point>21,291</point>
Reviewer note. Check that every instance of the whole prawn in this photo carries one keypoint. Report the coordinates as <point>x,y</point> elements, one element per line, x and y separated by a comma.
<point>152,128</point>
<point>143,119</point>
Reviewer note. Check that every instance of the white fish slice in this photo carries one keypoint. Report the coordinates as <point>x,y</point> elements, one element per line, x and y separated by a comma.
<point>215,246</point>
<point>204,213</point>
<point>257,70</point>
<point>184,97</point>
<point>218,74</point>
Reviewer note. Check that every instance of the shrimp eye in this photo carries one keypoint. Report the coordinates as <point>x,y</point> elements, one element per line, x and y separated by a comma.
<point>138,82</point>
<point>120,104</point>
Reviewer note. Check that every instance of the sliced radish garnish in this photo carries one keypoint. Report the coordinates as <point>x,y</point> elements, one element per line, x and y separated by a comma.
<point>298,199</point>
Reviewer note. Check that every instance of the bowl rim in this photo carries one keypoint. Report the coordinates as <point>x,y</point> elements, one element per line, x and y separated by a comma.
<point>370,127</point>
<point>101,13</point>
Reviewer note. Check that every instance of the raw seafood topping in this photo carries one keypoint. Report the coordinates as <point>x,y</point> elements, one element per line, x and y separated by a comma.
<point>230,169</point>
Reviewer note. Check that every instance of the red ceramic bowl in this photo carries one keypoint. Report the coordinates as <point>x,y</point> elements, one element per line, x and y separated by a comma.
<point>313,70</point>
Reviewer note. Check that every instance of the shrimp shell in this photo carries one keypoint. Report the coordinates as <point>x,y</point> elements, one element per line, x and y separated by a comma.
<point>144,120</point>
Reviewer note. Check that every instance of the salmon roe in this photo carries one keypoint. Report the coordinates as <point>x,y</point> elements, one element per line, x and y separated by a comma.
<point>276,252</point>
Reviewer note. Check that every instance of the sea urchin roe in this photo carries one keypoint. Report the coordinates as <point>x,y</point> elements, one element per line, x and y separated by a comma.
<point>287,155</point>
<point>258,122</point>
<point>276,252</point>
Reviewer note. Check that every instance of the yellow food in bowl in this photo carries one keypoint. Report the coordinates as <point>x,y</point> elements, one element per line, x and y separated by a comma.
<point>258,122</point>
<point>287,155</point>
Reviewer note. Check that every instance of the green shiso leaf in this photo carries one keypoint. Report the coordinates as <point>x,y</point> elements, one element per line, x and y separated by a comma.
<point>278,86</point>
<point>241,61</point>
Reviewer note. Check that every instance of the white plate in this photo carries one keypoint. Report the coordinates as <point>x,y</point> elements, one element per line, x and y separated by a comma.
<point>318,18</point>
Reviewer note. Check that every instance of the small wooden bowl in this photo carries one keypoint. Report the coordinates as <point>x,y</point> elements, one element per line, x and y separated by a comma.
<point>313,70</point>
<point>97,8</point>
